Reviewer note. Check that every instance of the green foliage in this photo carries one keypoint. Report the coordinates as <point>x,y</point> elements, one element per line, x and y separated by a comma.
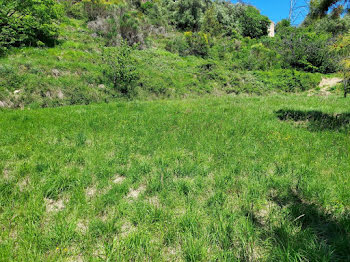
<point>288,80</point>
<point>100,8</point>
<point>252,23</point>
<point>156,14</point>
<point>74,9</point>
<point>28,23</point>
<point>120,68</point>
<point>197,43</point>
<point>262,58</point>
<point>187,14</point>
<point>130,29</point>
<point>177,45</point>
<point>282,25</point>
<point>305,49</point>
<point>334,26</point>
<point>210,22</point>
<point>319,8</point>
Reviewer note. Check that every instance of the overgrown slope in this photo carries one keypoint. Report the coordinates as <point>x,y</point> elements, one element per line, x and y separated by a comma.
<point>72,72</point>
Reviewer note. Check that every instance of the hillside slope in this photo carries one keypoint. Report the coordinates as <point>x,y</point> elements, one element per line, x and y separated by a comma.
<point>72,72</point>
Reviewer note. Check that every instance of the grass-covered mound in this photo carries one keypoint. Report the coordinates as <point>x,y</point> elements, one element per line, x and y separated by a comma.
<point>226,179</point>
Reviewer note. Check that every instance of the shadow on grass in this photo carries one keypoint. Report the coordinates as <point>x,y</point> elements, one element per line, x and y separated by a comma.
<point>316,120</point>
<point>333,234</point>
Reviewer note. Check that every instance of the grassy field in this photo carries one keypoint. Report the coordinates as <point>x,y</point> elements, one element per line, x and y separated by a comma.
<point>209,179</point>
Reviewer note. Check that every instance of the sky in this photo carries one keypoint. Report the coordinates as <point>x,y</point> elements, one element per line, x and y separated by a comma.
<point>276,10</point>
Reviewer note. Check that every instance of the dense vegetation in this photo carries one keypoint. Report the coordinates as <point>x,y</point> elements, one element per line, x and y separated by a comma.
<point>245,156</point>
<point>195,47</point>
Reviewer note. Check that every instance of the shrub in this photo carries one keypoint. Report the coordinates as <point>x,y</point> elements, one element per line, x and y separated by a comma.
<point>199,43</point>
<point>262,58</point>
<point>179,45</point>
<point>121,24</point>
<point>99,8</point>
<point>306,50</point>
<point>120,69</point>
<point>288,80</point>
<point>74,9</point>
<point>245,82</point>
<point>210,22</point>
<point>28,23</point>
<point>130,28</point>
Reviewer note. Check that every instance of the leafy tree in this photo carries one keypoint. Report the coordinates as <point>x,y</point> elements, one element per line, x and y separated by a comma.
<point>210,22</point>
<point>28,23</point>
<point>319,8</point>
<point>187,14</point>
<point>252,23</point>
<point>282,25</point>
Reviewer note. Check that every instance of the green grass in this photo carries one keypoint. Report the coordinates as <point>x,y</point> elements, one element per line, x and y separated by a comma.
<point>211,179</point>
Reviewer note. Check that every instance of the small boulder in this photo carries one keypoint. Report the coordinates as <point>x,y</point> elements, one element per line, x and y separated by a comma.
<point>60,95</point>
<point>55,73</point>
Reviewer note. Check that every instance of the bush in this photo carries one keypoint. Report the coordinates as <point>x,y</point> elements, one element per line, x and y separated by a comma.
<point>288,80</point>
<point>306,50</point>
<point>99,8</point>
<point>74,9</point>
<point>120,68</point>
<point>199,43</point>
<point>122,24</point>
<point>190,43</point>
<point>178,45</point>
<point>262,58</point>
<point>28,23</point>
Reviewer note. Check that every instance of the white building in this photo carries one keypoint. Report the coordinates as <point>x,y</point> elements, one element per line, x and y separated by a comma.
<point>272,30</point>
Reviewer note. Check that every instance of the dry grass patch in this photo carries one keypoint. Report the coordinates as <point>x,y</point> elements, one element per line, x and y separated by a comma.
<point>154,201</point>
<point>134,193</point>
<point>54,205</point>
<point>24,184</point>
<point>82,226</point>
<point>118,179</point>
<point>91,192</point>
<point>126,229</point>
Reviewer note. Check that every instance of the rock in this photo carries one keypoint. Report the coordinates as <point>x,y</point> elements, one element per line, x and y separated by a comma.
<point>16,92</point>
<point>55,73</point>
<point>102,86</point>
<point>60,95</point>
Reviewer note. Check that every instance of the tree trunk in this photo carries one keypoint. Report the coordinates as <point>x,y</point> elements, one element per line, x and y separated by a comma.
<point>345,87</point>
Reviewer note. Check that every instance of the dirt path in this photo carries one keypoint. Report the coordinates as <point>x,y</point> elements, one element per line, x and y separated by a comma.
<point>325,85</point>
<point>330,82</point>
